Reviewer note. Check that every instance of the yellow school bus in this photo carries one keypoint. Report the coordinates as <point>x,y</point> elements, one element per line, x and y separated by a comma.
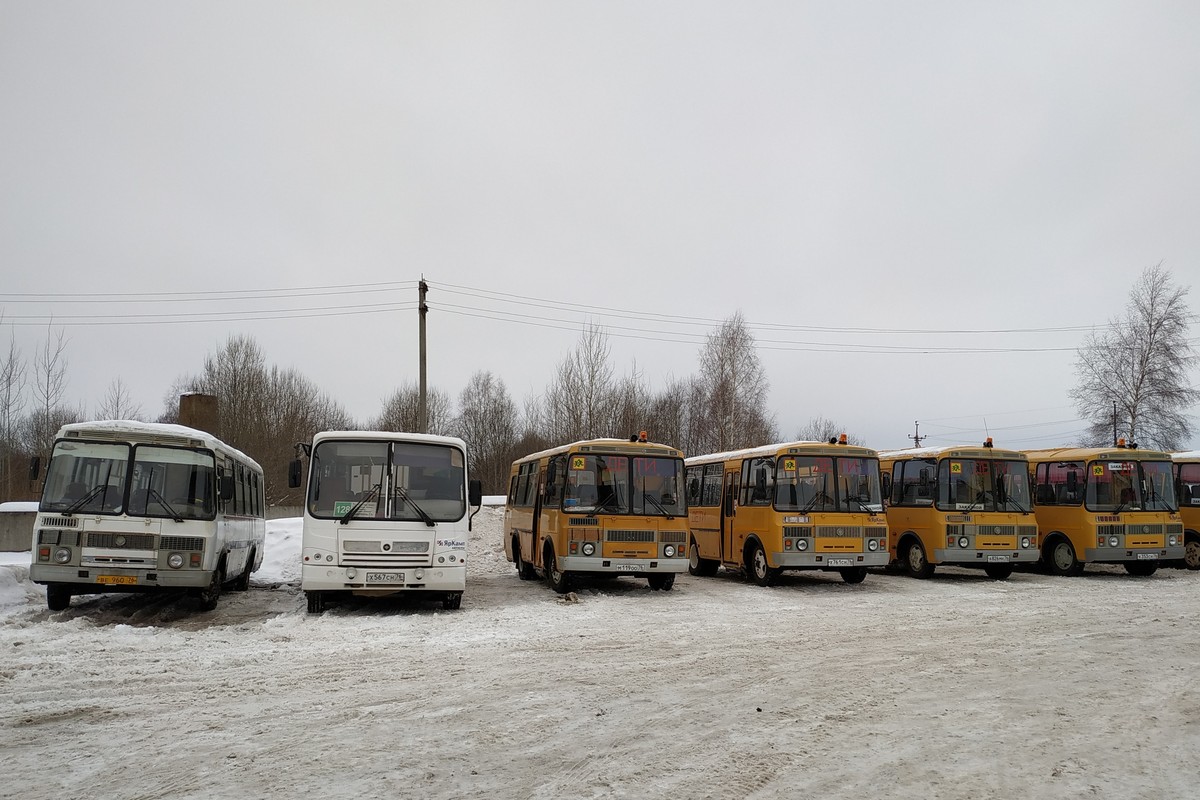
<point>1106,505</point>
<point>598,507</point>
<point>789,506</point>
<point>1187,489</point>
<point>959,506</point>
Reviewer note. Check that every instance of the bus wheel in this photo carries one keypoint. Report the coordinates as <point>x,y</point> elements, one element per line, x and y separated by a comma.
<point>998,572</point>
<point>316,602</point>
<point>702,567</point>
<point>210,594</point>
<point>559,581</point>
<point>452,600</point>
<point>243,582</point>
<point>760,571</point>
<point>1061,560</point>
<point>1142,569</point>
<point>525,570</point>
<point>1191,554</point>
<point>916,563</point>
<point>58,596</point>
<point>661,581</point>
<point>854,574</point>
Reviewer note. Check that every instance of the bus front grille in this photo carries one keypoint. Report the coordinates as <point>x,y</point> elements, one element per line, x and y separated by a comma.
<point>629,536</point>
<point>797,531</point>
<point>385,560</point>
<point>120,541</point>
<point>385,548</point>
<point>672,537</point>
<point>839,531</point>
<point>60,522</point>
<point>180,543</point>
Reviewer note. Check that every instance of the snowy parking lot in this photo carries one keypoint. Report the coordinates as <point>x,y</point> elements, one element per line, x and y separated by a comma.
<point>956,687</point>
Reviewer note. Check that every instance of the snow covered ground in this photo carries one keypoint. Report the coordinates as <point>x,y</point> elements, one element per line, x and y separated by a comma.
<point>957,687</point>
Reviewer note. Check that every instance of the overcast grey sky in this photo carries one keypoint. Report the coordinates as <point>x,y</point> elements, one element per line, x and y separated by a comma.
<point>948,166</point>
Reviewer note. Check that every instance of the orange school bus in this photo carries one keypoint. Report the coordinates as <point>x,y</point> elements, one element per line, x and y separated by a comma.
<point>601,507</point>
<point>793,506</point>
<point>959,506</point>
<point>1106,505</point>
<point>1187,489</point>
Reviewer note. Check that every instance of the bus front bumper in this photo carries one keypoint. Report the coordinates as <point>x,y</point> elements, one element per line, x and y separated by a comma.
<point>966,557</point>
<point>794,560</point>
<point>382,580</point>
<point>622,566</point>
<point>1099,555</point>
<point>117,579</point>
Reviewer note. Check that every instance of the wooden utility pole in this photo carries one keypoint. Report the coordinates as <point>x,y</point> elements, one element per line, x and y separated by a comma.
<point>422,310</point>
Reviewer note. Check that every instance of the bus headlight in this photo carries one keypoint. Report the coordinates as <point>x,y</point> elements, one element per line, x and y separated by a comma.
<point>802,544</point>
<point>669,551</point>
<point>1025,542</point>
<point>589,549</point>
<point>351,573</point>
<point>175,560</point>
<point>62,555</point>
<point>1113,541</point>
<point>1172,541</point>
<point>963,541</point>
<point>872,545</point>
<point>419,574</point>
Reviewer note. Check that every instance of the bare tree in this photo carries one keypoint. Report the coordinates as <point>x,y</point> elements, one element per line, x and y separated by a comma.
<point>821,429</point>
<point>12,406</point>
<point>49,386</point>
<point>630,406</point>
<point>487,422</point>
<point>118,404</point>
<point>735,390</point>
<point>401,410</point>
<point>1132,377</point>
<point>578,399</point>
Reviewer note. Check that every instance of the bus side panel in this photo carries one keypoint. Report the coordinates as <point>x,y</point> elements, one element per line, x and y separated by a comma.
<point>705,525</point>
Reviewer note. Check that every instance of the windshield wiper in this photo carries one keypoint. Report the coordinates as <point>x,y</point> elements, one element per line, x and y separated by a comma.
<point>83,501</point>
<point>659,506</point>
<point>349,515</point>
<point>428,520</point>
<point>857,498</point>
<point>162,501</point>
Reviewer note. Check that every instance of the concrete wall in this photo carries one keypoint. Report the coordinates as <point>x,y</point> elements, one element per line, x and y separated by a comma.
<point>16,530</point>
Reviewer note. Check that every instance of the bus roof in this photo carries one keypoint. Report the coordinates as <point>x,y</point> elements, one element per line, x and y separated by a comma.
<point>1101,453</point>
<point>1187,455</point>
<point>616,445</point>
<point>390,436</point>
<point>150,433</point>
<point>957,450</point>
<point>782,448</point>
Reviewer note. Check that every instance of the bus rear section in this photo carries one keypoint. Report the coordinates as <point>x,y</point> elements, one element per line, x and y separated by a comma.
<point>787,506</point>
<point>959,506</point>
<point>598,508</point>
<point>386,514</point>
<point>1114,505</point>
<point>1187,490</point>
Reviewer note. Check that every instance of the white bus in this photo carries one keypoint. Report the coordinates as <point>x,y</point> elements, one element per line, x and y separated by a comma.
<point>385,513</point>
<point>141,506</point>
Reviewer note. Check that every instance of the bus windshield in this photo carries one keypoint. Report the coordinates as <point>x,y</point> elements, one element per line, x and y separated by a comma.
<point>826,483</point>
<point>983,484</point>
<point>173,482</point>
<point>618,484</point>
<point>1117,486</point>
<point>86,478</point>
<point>387,480</point>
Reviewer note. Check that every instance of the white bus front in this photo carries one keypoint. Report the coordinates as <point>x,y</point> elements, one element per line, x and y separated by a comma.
<point>386,515</point>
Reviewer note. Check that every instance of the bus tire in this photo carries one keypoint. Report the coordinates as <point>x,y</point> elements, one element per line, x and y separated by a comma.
<point>1060,558</point>
<point>525,570</point>
<point>58,596</point>
<point>757,567</point>
<point>242,584</point>
<point>916,563</point>
<point>452,601</point>
<point>316,602</point>
<point>1191,553</point>
<point>210,594</point>
<point>701,567</point>
<point>661,581</point>
<point>854,574</point>
<point>1141,569</point>
<point>998,572</point>
<point>558,580</point>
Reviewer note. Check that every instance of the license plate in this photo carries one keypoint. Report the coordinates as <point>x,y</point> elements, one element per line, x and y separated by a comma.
<point>630,567</point>
<point>120,580</point>
<point>998,559</point>
<point>840,562</point>
<point>1147,556</point>
<point>385,577</point>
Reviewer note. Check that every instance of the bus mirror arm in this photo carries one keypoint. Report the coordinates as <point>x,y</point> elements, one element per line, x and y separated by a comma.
<point>474,500</point>
<point>294,474</point>
<point>35,468</point>
<point>226,487</point>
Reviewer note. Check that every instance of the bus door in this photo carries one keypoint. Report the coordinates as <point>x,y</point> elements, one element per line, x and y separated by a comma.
<point>535,523</point>
<point>728,512</point>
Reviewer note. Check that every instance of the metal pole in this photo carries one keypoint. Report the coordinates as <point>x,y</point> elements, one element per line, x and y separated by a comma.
<point>1114,423</point>
<point>422,409</point>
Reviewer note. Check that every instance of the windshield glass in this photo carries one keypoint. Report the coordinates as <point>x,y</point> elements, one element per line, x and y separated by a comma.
<point>982,484</point>
<point>823,483</point>
<point>1189,484</point>
<point>1158,490</point>
<point>387,480</point>
<point>617,484</point>
<point>1113,485</point>
<point>172,482</point>
<point>86,478</point>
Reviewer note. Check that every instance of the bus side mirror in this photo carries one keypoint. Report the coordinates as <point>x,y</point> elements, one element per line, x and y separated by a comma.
<point>1072,481</point>
<point>35,468</point>
<point>551,472</point>
<point>475,493</point>
<point>923,477</point>
<point>226,487</point>
<point>760,480</point>
<point>294,474</point>
<point>887,484</point>
<point>1001,490</point>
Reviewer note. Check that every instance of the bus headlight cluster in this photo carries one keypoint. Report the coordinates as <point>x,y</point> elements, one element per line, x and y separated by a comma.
<point>175,560</point>
<point>963,541</point>
<point>1114,541</point>
<point>1173,541</point>
<point>62,555</point>
<point>1025,542</point>
<point>802,544</point>
<point>669,551</point>
<point>872,545</point>
<point>589,548</point>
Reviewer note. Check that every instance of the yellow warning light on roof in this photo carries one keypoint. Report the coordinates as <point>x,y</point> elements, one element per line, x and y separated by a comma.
<point>842,439</point>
